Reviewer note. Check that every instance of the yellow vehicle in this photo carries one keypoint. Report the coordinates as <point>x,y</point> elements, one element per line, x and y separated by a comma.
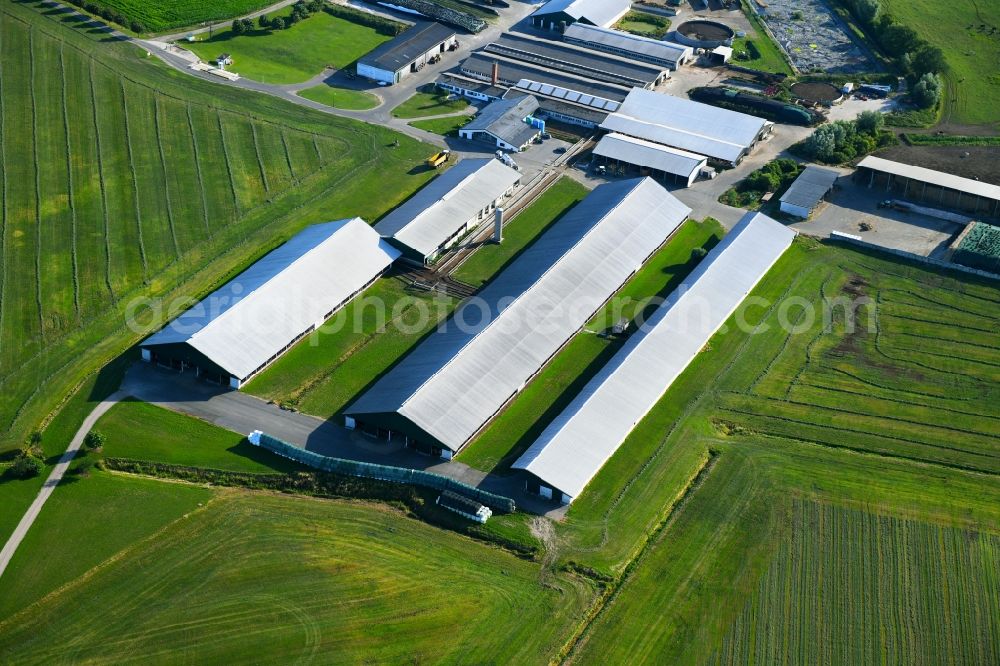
<point>437,159</point>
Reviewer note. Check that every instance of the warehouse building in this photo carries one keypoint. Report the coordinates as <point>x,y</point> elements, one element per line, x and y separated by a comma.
<point>812,185</point>
<point>662,162</point>
<point>406,53</point>
<point>565,105</point>
<point>447,208</point>
<point>483,91</point>
<point>557,15</point>
<point>455,381</point>
<point>581,439</point>
<point>719,134</point>
<point>508,72</point>
<point>239,329</point>
<point>644,49</point>
<point>934,188</point>
<point>506,124</point>
<point>578,61</point>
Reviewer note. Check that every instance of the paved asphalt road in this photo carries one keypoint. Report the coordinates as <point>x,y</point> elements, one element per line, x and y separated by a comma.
<point>28,519</point>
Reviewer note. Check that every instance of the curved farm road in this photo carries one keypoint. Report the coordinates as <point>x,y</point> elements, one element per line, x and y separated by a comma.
<point>54,478</point>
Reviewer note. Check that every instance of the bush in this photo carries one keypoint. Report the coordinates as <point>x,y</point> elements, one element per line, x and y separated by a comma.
<point>26,467</point>
<point>927,91</point>
<point>94,440</point>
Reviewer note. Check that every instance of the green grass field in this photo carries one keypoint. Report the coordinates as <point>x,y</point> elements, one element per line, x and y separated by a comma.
<point>174,14</point>
<point>448,126</point>
<point>142,431</point>
<point>269,578</point>
<point>765,55</point>
<point>973,91</point>
<point>294,54</point>
<point>645,24</point>
<point>341,98</point>
<point>429,102</point>
<point>146,183</point>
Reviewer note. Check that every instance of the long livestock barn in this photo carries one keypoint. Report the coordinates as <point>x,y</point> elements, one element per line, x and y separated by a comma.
<point>558,14</point>
<point>934,188</point>
<point>243,326</point>
<point>443,393</point>
<point>581,439</point>
<point>636,47</point>
<point>578,61</point>
<point>446,208</point>
<point>565,105</point>
<point>662,162</point>
<point>506,71</point>
<point>720,134</point>
<point>407,53</point>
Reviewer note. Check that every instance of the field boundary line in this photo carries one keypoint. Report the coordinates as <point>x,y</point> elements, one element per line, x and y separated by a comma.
<point>166,177</point>
<point>135,183</point>
<point>197,170</point>
<point>69,180</point>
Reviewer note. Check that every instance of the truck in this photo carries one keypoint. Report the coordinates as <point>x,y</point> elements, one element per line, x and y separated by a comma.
<point>437,159</point>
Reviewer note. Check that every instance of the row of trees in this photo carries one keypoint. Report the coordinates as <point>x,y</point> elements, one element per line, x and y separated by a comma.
<point>920,61</point>
<point>300,10</point>
<point>843,140</point>
<point>110,15</point>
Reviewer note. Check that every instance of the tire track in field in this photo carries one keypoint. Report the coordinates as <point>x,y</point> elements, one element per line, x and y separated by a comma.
<point>38,186</point>
<point>135,184</point>
<point>3,201</point>
<point>104,191</point>
<point>260,160</point>
<point>166,179</point>
<point>229,166</point>
<point>69,180</point>
<point>288,158</point>
<point>197,170</point>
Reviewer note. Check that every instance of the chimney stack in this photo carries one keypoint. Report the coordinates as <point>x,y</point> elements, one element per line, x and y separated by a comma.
<point>498,225</point>
<point>496,73</point>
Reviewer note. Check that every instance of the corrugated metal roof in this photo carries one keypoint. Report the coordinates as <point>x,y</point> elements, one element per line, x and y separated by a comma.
<point>625,41</point>
<point>600,12</point>
<point>443,206</point>
<point>241,325</point>
<point>512,71</point>
<point>686,124</point>
<point>406,47</point>
<point>649,154</point>
<point>574,446</point>
<point>572,96</point>
<point>939,178</point>
<point>458,378</point>
<point>504,119</point>
<point>811,186</point>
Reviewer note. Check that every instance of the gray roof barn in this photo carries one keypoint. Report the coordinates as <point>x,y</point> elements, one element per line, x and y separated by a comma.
<point>598,12</point>
<point>577,443</point>
<point>443,206</point>
<point>406,47</point>
<point>685,124</point>
<point>242,325</point>
<point>648,154</point>
<point>458,378</point>
<point>504,119</point>
<point>638,47</point>
<point>810,187</point>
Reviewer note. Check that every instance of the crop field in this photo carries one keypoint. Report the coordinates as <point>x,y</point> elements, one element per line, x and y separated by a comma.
<point>969,35</point>
<point>294,54</point>
<point>270,578</point>
<point>173,14</point>
<point>122,180</point>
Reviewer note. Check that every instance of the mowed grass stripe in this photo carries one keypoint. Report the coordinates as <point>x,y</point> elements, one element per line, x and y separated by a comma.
<point>55,247</point>
<point>3,199</point>
<point>71,195</point>
<point>104,232</point>
<point>167,174</point>
<point>183,184</point>
<point>243,159</point>
<point>217,189</point>
<point>196,156</point>
<point>272,151</point>
<point>35,159</point>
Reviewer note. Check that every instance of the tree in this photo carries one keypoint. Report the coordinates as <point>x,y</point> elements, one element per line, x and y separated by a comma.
<point>869,122</point>
<point>898,39</point>
<point>26,467</point>
<point>929,59</point>
<point>927,91</point>
<point>94,439</point>
<point>867,11</point>
<point>238,28</point>
<point>264,21</point>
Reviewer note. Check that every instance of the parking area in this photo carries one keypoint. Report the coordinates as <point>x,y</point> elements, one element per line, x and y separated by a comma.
<point>854,209</point>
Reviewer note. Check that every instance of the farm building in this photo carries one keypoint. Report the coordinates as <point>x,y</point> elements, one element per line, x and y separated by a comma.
<point>934,188</point>
<point>578,61</point>
<point>249,322</point>
<point>508,72</point>
<point>581,439</point>
<point>505,124</point>
<point>450,386</point>
<point>483,91</point>
<point>807,191</point>
<point>636,47</point>
<point>719,134</point>
<point>406,53</point>
<point>665,163</point>
<point>565,105</point>
<point>464,506</point>
<point>558,14</point>
<point>446,208</point>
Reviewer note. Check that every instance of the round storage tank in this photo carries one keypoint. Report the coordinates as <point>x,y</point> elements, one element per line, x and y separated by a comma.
<point>817,92</point>
<point>704,34</point>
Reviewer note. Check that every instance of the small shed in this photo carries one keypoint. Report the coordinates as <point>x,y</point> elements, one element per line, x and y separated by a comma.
<point>464,506</point>
<point>720,55</point>
<point>807,191</point>
<point>224,60</point>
